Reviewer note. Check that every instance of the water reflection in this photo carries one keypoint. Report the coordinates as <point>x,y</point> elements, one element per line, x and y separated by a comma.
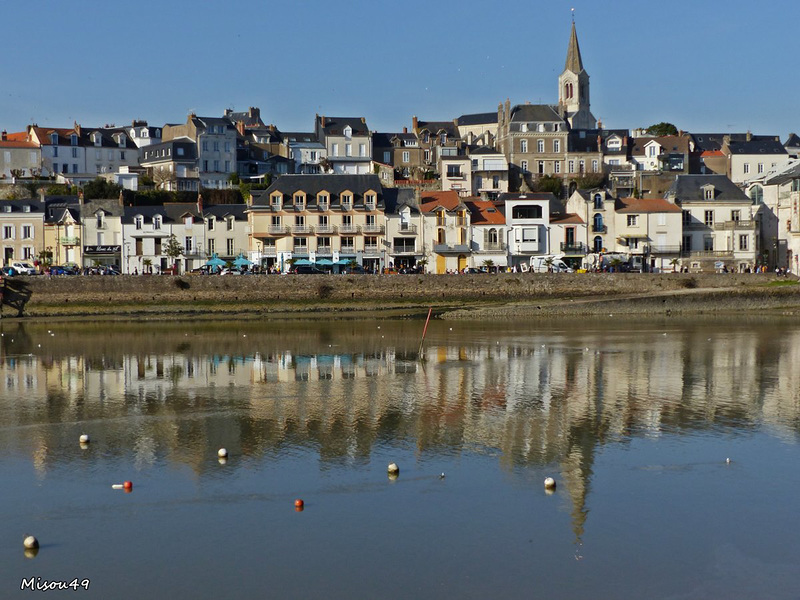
<point>534,396</point>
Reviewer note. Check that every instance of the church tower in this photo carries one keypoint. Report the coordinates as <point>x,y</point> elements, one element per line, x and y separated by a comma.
<point>573,88</point>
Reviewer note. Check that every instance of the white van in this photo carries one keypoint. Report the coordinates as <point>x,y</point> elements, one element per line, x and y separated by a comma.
<point>23,268</point>
<point>549,264</point>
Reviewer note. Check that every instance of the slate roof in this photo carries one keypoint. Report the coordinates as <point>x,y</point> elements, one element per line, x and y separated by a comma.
<point>221,211</point>
<point>437,126</point>
<point>566,219</point>
<point>18,206</point>
<point>489,118</point>
<point>535,112</point>
<point>690,188</point>
<point>206,122</point>
<point>109,206</point>
<point>314,184</point>
<point>170,212</point>
<point>149,153</point>
<point>584,140</point>
<point>485,150</point>
<point>60,208</point>
<point>336,125</point>
<point>668,143</point>
<point>783,174</point>
<point>714,141</point>
<point>106,137</point>
<point>299,136</point>
<point>793,141</point>
<point>396,198</point>
<point>765,145</point>
<point>526,196</point>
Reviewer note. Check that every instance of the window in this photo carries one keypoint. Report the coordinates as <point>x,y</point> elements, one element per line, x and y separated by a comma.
<point>757,194</point>
<point>736,215</point>
<point>427,154</point>
<point>299,202</point>
<point>743,242</point>
<point>540,146</point>
<point>708,244</point>
<point>406,156</point>
<point>73,139</point>
<point>581,166</point>
<point>211,222</point>
<point>322,221</point>
<point>205,165</point>
<point>454,170</point>
<point>443,139</point>
<point>122,155</point>
<point>746,167</point>
<point>633,220</point>
<point>335,149</point>
<point>598,202</point>
<point>137,222</point>
<point>496,182</point>
<point>369,201</point>
<point>54,140</point>
<point>229,246</point>
<point>541,167</point>
<point>348,149</point>
<point>187,244</point>
<point>227,166</point>
<point>205,146</point>
<point>594,166</point>
<point>651,151</point>
<point>8,232</point>
<point>524,166</point>
<point>227,146</point>
<point>347,201</point>
<point>216,146</point>
<point>322,201</point>
<point>362,150</point>
<point>557,167</point>
<point>571,166</point>
<point>687,243</point>
<point>301,245</point>
<point>523,145</point>
<point>216,166</point>
<point>187,221</point>
<point>212,246</point>
<point>556,145</point>
<point>708,193</point>
<point>760,167</point>
<point>75,154</point>
<point>597,244</point>
<point>387,157</point>
<point>709,218</point>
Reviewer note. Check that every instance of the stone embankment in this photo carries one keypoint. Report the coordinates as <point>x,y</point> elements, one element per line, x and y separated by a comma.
<point>453,296</point>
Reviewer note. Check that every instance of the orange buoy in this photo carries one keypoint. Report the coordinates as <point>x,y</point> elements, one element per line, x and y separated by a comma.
<point>299,503</point>
<point>128,485</point>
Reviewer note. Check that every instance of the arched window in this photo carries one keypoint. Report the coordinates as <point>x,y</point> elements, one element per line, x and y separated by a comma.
<point>441,236</point>
<point>598,201</point>
<point>598,244</point>
<point>597,223</point>
<point>757,194</point>
<point>493,237</point>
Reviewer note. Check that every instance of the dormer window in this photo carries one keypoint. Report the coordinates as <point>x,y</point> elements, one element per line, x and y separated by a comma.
<point>347,201</point>
<point>443,139</point>
<point>299,201</point>
<point>97,139</point>
<point>121,140</point>
<point>54,139</point>
<point>276,201</point>
<point>6,208</point>
<point>188,220</point>
<point>100,219</point>
<point>322,201</point>
<point>348,132</point>
<point>229,223</point>
<point>73,139</point>
<point>598,201</point>
<point>144,133</point>
<point>369,201</point>
<point>26,208</point>
<point>157,222</point>
<point>211,223</point>
<point>708,192</point>
<point>137,222</point>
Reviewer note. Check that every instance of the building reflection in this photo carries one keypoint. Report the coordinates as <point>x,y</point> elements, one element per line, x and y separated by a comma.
<point>540,398</point>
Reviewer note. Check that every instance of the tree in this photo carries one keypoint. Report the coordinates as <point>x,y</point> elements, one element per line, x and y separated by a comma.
<point>550,183</point>
<point>589,182</point>
<point>162,177</point>
<point>173,248</point>
<point>662,128</point>
<point>100,188</point>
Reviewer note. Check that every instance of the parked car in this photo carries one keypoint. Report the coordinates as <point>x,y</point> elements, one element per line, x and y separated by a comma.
<point>307,270</point>
<point>8,271</point>
<point>354,270</point>
<point>64,270</point>
<point>23,268</point>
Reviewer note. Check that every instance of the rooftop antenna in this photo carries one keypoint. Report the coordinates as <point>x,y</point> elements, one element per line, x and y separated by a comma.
<point>573,15</point>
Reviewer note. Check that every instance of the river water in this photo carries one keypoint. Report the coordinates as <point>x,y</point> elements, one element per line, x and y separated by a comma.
<point>635,421</point>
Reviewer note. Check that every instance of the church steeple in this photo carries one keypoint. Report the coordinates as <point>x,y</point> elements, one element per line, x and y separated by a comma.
<point>573,88</point>
<point>574,62</point>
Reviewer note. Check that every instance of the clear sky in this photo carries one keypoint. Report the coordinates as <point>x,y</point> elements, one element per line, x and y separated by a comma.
<point>704,65</point>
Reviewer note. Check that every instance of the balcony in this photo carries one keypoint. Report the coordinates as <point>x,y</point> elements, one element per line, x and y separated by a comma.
<point>379,229</point>
<point>323,206</point>
<point>407,229</point>
<point>269,251</point>
<point>346,207</point>
<point>665,249</point>
<point>347,250</point>
<point>70,241</point>
<point>707,254</point>
<point>451,249</point>
<point>371,249</point>
<point>573,248</point>
<point>599,229</point>
<point>325,229</point>
<point>302,229</point>
<point>324,249</point>
<point>403,249</point>
<point>492,247</point>
<point>748,224</point>
<point>349,229</point>
<point>277,230</point>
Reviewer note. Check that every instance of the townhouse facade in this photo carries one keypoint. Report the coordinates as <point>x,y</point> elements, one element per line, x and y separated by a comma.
<point>334,218</point>
<point>227,232</point>
<point>347,142</point>
<point>21,229</point>
<point>446,236</point>
<point>19,157</point>
<point>215,140</point>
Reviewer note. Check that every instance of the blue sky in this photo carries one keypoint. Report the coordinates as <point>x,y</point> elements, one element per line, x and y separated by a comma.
<point>705,65</point>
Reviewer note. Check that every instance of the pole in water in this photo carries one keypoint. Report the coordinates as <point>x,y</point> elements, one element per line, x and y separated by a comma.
<point>424,331</point>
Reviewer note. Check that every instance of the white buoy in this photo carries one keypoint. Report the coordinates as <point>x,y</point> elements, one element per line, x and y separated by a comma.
<point>549,483</point>
<point>728,460</point>
<point>84,439</point>
<point>441,476</point>
<point>117,486</point>
<point>393,469</point>
<point>222,453</point>
<point>30,542</point>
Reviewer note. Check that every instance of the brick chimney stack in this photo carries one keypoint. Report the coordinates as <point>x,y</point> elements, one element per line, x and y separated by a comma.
<point>405,130</point>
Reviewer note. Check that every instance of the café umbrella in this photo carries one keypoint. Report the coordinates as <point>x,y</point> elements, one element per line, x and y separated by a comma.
<point>240,261</point>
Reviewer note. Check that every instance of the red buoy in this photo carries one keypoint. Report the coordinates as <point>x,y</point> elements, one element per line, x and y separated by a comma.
<point>299,503</point>
<point>128,485</point>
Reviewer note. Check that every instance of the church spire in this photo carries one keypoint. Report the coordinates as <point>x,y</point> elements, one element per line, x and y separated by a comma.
<point>574,62</point>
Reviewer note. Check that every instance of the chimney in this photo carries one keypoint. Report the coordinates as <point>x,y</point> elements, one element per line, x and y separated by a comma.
<point>77,128</point>
<point>121,199</point>
<point>80,197</point>
<point>240,127</point>
<point>200,203</point>
<point>405,130</point>
<point>749,135</point>
<point>4,135</point>
<point>363,120</point>
<point>322,120</point>
<point>254,112</point>
<point>599,142</point>
<point>600,125</point>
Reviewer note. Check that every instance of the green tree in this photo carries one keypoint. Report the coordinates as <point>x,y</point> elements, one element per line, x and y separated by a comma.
<point>100,188</point>
<point>588,182</point>
<point>550,183</point>
<point>173,249</point>
<point>662,128</point>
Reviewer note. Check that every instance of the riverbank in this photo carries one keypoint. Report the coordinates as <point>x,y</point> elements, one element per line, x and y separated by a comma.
<point>483,296</point>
